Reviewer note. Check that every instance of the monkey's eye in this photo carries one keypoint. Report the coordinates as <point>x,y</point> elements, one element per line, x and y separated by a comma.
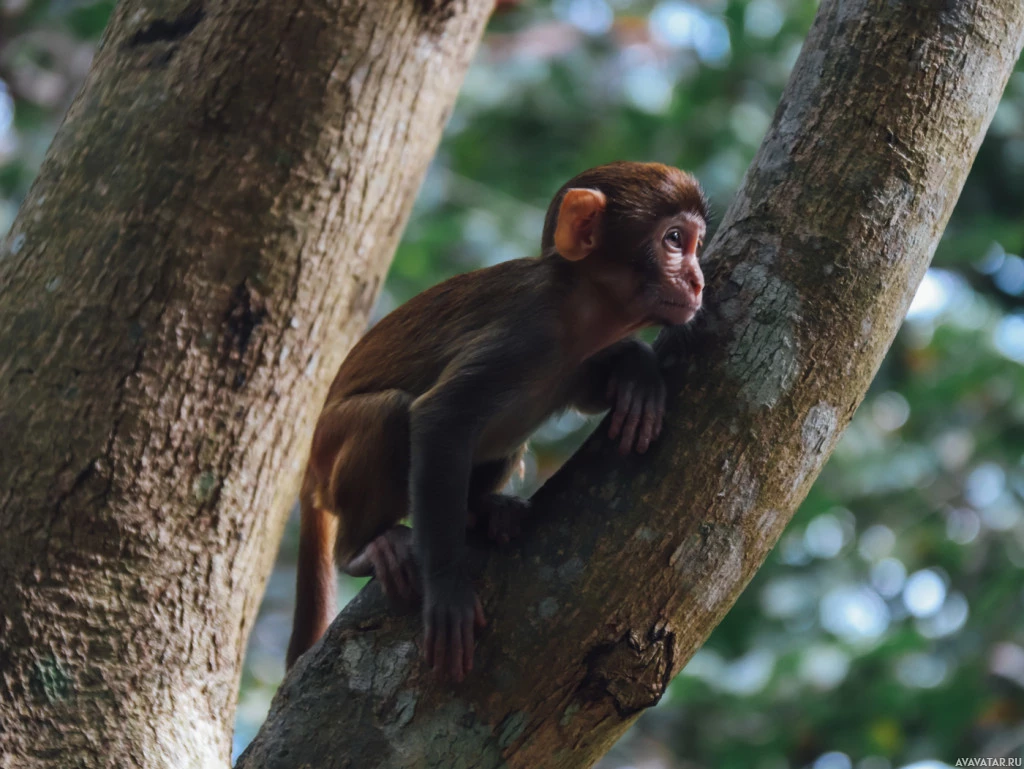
<point>674,238</point>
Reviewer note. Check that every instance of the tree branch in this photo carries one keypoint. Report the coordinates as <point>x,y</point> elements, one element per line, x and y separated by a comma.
<point>205,238</point>
<point>636,560</point>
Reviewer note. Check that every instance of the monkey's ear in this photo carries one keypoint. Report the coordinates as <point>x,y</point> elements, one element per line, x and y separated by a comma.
<point>578,220</point>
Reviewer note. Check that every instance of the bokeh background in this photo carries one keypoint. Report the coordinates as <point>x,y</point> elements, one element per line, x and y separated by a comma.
<point>886,630</point>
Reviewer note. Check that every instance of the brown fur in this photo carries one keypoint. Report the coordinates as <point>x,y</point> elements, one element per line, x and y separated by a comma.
<point>485,357</point>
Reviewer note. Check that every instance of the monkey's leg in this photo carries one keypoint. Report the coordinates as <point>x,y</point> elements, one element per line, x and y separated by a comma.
<point>500,515</point>
<point>368,435</point>
<point>390,559</point>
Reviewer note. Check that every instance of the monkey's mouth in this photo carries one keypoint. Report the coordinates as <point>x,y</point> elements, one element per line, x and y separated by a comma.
<point>680,312</point>
<point>685,306</point>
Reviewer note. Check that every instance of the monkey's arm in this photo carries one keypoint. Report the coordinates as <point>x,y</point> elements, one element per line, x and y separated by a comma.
<point>445,427</point>
<point>441,461</point>
<point>626,377</point>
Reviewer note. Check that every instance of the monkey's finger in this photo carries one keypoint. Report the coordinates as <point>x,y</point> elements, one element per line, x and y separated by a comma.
<point>478,610</point>
<point>392,581</point>
<point>660,421</point>
<point>394,561</point>
<point>630,428</point>
<point>410,568</point>
<point>622,407</point>
<point>441,643</point>
<point>467,640</point>
<point>429,636</point>
<point>380,569</point>
<point>457,636</point>
<point>647,427</point>
<point>609,393</point>
<point>662,401</point>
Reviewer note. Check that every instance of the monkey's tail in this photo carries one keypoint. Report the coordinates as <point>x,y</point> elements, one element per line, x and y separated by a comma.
<point>315,582</point>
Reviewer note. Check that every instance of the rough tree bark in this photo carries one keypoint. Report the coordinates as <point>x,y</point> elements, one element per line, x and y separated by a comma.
<point>202,245</point>
<point>811,273</point>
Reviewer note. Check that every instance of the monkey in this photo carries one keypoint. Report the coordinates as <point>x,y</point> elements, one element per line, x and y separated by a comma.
<point>430,411</point>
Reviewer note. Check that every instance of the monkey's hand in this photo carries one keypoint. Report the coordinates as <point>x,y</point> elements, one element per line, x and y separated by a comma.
<point>451,614</point>
<point>636,392</point>
<point>502,514</point>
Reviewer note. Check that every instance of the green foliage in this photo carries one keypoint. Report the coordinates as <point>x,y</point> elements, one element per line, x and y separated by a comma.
<point>88,20</point>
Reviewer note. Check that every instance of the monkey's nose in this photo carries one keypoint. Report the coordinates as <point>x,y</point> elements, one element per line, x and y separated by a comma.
<point>696,281</point>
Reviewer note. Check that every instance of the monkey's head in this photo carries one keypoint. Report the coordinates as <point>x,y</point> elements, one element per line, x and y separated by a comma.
<point>637,228</point>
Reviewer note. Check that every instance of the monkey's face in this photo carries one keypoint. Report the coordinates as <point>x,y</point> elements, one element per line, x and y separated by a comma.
<point>674,281</point>
<point>636,228</point>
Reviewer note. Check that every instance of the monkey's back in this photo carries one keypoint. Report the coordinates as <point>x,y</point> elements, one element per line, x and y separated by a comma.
<point>410,347</point>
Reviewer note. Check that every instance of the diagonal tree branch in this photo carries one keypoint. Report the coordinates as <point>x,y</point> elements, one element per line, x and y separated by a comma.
<point>636,560</point>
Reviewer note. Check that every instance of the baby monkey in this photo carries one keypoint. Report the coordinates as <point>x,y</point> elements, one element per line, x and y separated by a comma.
<point>429,413</point>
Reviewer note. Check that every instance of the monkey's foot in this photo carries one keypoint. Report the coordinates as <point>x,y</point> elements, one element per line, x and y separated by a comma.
<point>390,559</point>
<point>502,514</point>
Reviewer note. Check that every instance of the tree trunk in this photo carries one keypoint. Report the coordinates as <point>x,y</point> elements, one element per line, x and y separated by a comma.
<point>810,275</point>
<point>202,245</point>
